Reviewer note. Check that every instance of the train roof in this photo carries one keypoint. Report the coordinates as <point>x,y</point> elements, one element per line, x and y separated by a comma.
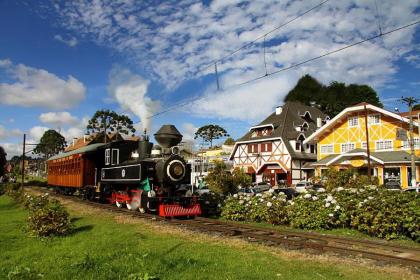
<point>82,150</point>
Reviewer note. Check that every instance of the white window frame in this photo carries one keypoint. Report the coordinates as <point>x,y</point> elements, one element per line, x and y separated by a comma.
<point>107,156</point>
<point>372,117</point>
<point>330,146</point>
<point>363,145</point>
<point>383,141</point>
<point>349,119</point>
<point>406,144</point>
<point>348,144</point>
<point>118,156</point>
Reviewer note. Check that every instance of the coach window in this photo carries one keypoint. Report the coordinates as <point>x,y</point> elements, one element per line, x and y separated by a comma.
<point>115,156</point>
<point>107,156</point>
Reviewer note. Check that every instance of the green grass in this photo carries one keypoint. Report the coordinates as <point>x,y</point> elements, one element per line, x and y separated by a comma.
<point>100,248</point>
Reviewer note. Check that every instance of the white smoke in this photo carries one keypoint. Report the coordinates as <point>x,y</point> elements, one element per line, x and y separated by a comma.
<point>130,91</point>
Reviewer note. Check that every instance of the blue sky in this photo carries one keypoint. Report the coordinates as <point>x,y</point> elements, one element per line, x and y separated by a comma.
<point>61,61</point>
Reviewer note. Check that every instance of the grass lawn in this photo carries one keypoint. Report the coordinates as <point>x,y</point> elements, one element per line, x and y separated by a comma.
<point>108,246</point>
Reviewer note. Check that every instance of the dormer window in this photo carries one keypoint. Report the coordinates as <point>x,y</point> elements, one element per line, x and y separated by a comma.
<point>299,142</point>
<point>107,156</point>
<point>306,115</point>
<point>305,126</point>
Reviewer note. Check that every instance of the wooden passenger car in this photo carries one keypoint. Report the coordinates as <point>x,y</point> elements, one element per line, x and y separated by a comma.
<point>73,169</point>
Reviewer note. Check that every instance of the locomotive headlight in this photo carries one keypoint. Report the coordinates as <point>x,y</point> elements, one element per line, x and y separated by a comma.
<point>175,170</point>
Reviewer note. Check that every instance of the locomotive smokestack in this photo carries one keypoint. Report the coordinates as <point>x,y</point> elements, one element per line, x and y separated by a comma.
<point>145,147</point>
<point>168,136</point>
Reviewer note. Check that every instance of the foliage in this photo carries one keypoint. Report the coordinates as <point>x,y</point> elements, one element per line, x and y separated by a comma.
<point>314,211</point>
<point>15,191</point>
<point>47,217</point>
<point>211,204</point>
<point>3,161</point>
<point>240,178</point>
<point>51,143</point>
<point>347,178</point>
<point>210,132</point>
<point>229,141</point>
<point>333,98</point>
<point>416,107</point>
<point>389,216</point>
<point>106,121</point>
<point>266,207</point>
<point>220,180</point>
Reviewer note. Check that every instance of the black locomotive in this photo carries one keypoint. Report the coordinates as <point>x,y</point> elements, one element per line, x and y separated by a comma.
<point>135,174</point>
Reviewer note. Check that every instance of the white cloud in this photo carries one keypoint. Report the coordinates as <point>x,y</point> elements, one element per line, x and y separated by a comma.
<point>188,131</point>
<point>36,132</point>
<point>12,149</point>
<point>71,41</point>
<point>174,41</point>
<point>58,119</point>
<point>413,59</point>
<point>130,91</point>
<point>40,88</point>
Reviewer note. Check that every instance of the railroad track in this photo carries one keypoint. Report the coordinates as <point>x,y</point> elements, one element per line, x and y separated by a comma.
<point>380,251</point>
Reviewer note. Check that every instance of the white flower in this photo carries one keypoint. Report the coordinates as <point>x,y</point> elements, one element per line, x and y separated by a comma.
<point>271,191</point>
<point>361,190</point>
<point>329,198</point>
<point>370,197</point>
<point>337,207</point>
<point>274,197</point>
<point>219,205</point>
<point>235,195</point>
<point>308,195</point>
<point>207,202</point>
<point>333,201</point>
<point>331,215</point>
<point>241,202</point>
<point>321,190</point>
<point>314,198</point>
<point>360,204</point>
<point>339,189</point>
<point>327,204</point>
<point>269,204</point>
<point>353,190</point>
<point>291,202</point>
<point>365,200</point>
<point>258,194</point>
<point>261,200</point>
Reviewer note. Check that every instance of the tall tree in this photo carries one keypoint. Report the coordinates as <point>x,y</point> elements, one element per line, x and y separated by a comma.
<point>210,132</point>
<point>229,141</point>
<point>3,161</point>
<point>106,121</point>
<point>51,143</point>
<point>333,98</point>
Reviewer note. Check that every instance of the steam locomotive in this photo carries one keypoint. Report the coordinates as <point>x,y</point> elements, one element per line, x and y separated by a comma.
<point>136,174</point>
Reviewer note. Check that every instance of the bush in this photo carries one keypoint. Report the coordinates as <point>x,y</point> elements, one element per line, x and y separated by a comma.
<point>265,207</point>
<point>211,204</point>
<point>15,191</point>
<point>220,180</point>
<point>389,215</point>
<point>347,179</point>
<point>314,211</point>
<point>47,217</point>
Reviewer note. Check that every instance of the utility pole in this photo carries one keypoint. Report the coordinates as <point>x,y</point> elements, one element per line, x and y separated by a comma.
<point>367,143</point>
<point>23,160</point>
<point>410,101</point>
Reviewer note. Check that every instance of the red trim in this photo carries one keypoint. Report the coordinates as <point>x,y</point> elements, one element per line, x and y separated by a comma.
<point>176,210</point>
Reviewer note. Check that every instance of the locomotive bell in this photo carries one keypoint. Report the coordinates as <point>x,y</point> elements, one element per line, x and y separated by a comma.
<point>168,136</point>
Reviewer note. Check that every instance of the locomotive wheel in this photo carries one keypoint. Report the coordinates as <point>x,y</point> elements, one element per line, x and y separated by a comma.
<point>119,204</point>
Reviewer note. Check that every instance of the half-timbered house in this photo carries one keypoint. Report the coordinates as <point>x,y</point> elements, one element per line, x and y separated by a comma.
<point>273,150</point>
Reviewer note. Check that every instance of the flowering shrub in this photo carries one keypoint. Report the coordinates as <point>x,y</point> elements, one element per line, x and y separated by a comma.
<point>265,207</point>
<point>47,217</point>
<point>314,211</point>
<point>389,215</point>
<point>211,204</point>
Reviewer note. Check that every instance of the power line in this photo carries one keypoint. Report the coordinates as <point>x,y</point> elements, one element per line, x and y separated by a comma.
<point>295,65</point>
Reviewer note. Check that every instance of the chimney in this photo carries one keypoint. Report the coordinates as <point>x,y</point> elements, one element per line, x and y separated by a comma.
<point>85,137</point>
<point>318,122</point>
<point>279,109</point>
<point>74,140</point>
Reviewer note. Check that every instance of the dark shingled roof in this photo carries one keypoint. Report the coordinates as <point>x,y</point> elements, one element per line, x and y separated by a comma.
<point>284,126</point>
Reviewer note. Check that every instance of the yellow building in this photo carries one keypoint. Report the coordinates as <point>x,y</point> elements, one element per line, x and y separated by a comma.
<point>342,143</point>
